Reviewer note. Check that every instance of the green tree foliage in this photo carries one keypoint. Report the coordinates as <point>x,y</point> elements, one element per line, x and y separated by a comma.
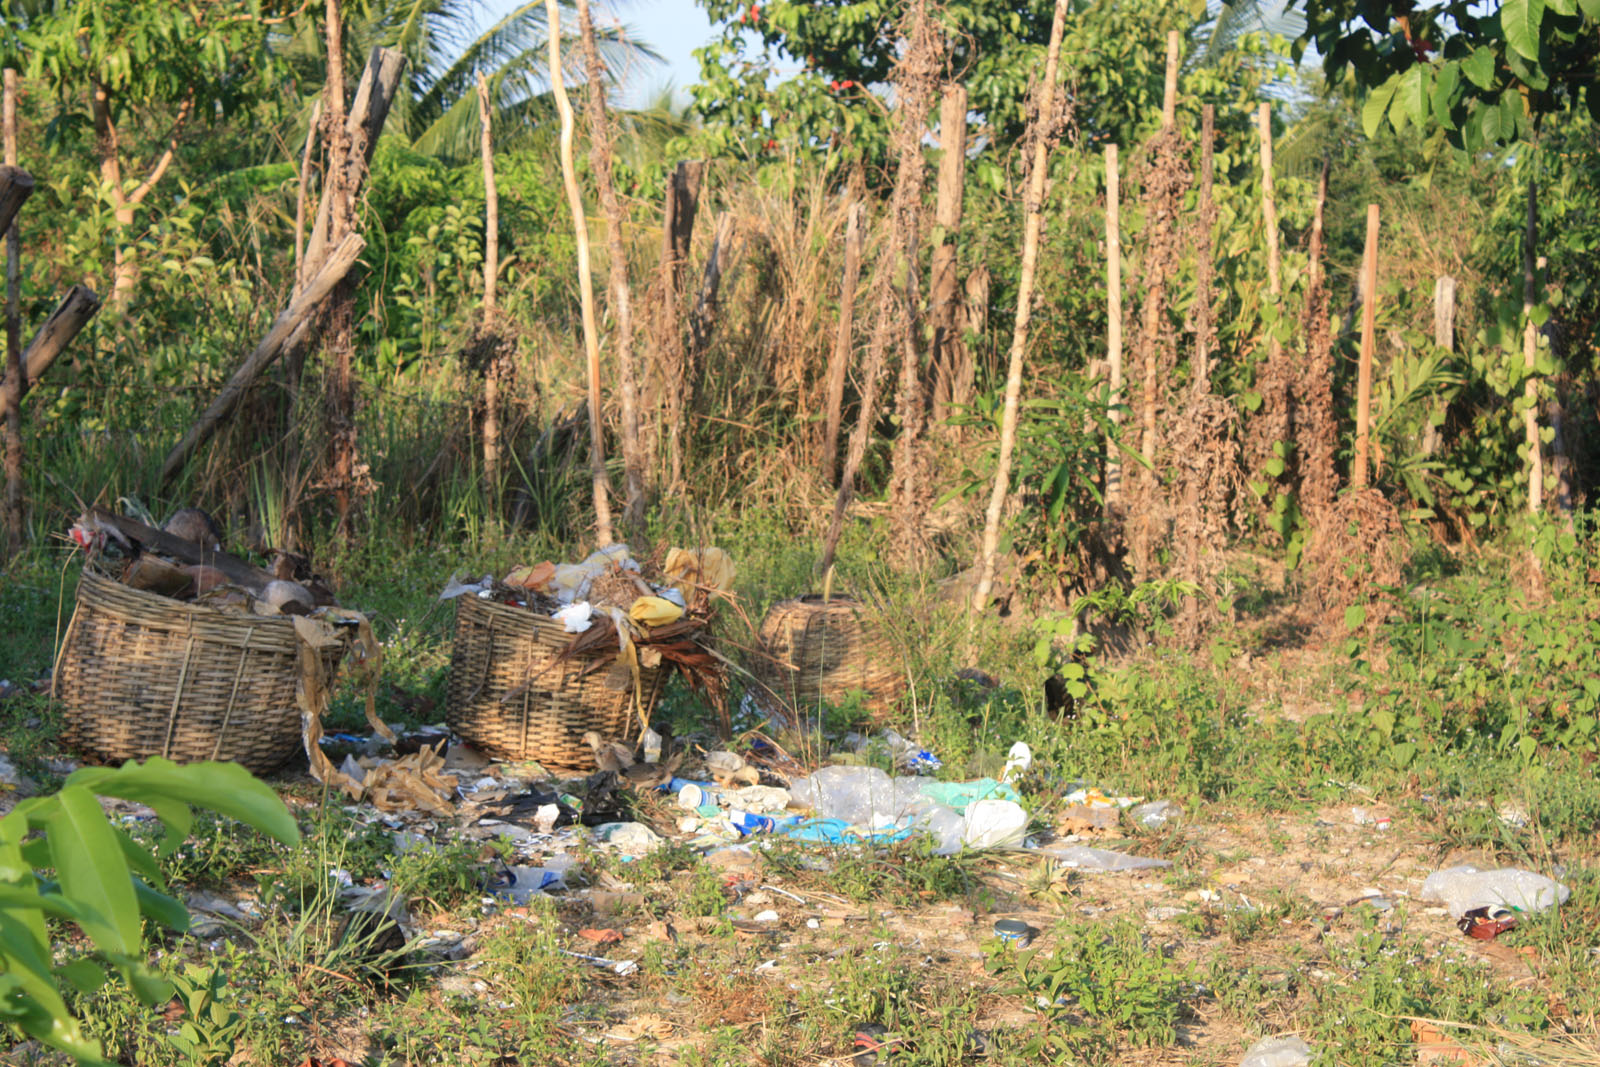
<point>1478,73</point>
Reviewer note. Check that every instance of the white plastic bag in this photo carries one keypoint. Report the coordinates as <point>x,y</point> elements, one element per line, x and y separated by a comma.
<point>991,823</point>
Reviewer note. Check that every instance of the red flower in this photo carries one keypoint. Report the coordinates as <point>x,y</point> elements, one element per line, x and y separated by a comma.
<point>771,144</point>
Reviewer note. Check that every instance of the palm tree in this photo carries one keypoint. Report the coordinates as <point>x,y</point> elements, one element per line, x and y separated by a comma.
<point>446,48</point>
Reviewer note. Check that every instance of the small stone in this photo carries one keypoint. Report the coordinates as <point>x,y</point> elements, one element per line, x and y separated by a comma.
<point>768,916</point>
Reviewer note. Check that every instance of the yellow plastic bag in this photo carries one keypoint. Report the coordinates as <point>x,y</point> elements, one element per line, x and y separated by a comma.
<point>654,611</point>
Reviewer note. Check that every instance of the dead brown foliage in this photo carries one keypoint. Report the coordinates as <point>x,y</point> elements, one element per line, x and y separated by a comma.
<point>1355,551</point>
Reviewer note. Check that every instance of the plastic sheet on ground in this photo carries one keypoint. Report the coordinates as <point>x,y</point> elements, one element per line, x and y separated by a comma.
<point>1464,888</point>
<point>865,797</point>
<point>1099,859</point>
<point>1288,1051</point>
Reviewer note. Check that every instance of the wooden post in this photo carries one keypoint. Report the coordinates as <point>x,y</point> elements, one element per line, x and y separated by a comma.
<point>952,374</point>
<point>1113,326</point>
<point>600,483</point>
<point>1269,218</point>
<point>69,317</point>
<point>617,266</point>
<point>491,276</point>
<point>1444,336</point>
<point>15,376</point>
<point>1369,300</point>
<point>839,358</point>
<point>1033,218</point>
<point>290,321</point>
<point>1169,92</point>
<point>1530,352</point>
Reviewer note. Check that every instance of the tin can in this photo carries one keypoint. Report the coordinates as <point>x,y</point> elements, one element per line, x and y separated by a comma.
<point>1014,931</point>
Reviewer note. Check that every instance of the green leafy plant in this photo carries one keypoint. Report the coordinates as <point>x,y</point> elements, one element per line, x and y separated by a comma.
<point>104,883</point>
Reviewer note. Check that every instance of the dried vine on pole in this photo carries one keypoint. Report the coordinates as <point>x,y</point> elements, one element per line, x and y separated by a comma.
<point>913,79</point>
<point>491,271</point>
<point>1165,183</point>
<point>617,264</point>
<point>591,340</point>
<point>1041,137</point>
<point>1319,476</point>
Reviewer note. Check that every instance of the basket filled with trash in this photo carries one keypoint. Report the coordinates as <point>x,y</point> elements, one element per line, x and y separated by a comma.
<point>553,651</point>
<point>179,649</point>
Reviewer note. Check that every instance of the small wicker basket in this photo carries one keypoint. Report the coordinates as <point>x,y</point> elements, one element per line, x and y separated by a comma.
<point>510,699</point>
<point>141,675</point>
<point>815,649</point>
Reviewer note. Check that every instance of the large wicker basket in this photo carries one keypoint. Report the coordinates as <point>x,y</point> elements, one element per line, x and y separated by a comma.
<point>814,650</point>
<point>509,698</point>
<point>140,675</point>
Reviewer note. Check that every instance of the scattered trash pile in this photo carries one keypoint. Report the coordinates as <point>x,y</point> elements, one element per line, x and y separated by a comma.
<point>725,806</point>
<point>622,613</point>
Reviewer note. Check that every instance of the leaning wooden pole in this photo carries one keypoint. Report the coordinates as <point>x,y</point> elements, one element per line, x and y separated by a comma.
<point>15,376</point>
<point>843,340</point>
<point>1113,329</point>
<point>617,265</point>
<point>1369,300</point>
<point>1043,135</point>
<point>591,341</point>
<point>64,323</point>
<point>285,327</point>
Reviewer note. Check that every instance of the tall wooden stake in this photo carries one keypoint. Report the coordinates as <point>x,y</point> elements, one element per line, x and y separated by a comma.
<point>1033,218</point>
<point>1269,217</point>
<point>1444,336</point>
<point>491,273</point>
<point>1530,351</point>
<point>1369,300</point>
<point>839,358</point>
<point>14,383</point>
<point>591,341</point>
<point>1113,326</point>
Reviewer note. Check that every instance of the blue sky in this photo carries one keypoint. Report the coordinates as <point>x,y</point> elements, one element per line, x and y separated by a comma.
<point>674,28</point>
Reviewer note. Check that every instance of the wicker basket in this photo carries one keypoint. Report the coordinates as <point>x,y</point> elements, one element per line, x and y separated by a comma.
<point>140,675</point>
<point>509,697</point>
<point>815,650</point>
